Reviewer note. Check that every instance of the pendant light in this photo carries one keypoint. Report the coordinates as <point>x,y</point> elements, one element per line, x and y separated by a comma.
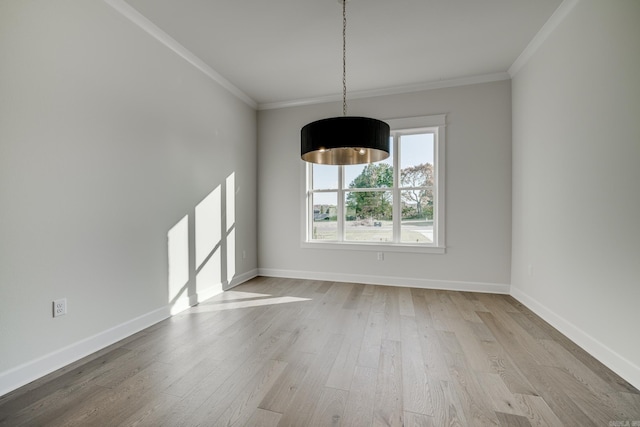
<point>345,140</point>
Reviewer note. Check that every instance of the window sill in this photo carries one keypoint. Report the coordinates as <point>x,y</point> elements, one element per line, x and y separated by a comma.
<point>374,247</point>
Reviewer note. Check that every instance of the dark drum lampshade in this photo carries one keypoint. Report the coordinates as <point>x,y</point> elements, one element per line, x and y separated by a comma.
<point>345,140</point>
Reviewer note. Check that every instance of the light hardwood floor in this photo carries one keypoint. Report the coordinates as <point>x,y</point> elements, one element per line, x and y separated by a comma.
<point>284,352</point>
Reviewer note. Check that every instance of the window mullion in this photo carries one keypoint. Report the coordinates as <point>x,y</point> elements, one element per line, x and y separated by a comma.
<point>397,209</point>
<point>340,219</point>
<point>309,177</point>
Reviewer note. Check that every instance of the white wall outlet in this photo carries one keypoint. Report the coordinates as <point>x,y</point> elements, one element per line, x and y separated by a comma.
<point>380,256</point>
<point>59,307</point>
<point>244,254</point>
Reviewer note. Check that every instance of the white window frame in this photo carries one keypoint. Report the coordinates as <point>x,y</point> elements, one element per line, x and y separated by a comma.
<point>433,124</point>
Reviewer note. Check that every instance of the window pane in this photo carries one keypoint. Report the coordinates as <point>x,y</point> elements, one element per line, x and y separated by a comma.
<point>417,216</point>
<point>373,175</point>
<point>416,155</point>
<point>325,176</point>
<point>325,216</point>
<point>369,216</point>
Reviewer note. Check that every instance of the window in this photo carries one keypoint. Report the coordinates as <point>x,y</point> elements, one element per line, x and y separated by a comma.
<point>397,203</point>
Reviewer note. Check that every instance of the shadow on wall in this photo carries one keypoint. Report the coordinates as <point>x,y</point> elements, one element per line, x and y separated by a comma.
<point>202,254</point>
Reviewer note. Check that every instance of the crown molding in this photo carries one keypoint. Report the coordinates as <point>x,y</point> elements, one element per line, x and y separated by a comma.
<point>552,23</point>
<point>154,31</point>
<point>439,84</point>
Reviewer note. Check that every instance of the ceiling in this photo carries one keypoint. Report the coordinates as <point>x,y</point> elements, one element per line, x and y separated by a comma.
<point>287,51</point>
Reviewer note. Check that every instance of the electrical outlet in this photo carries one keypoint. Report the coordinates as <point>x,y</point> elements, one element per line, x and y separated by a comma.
<point>380,256</point>
<point>59,307</point>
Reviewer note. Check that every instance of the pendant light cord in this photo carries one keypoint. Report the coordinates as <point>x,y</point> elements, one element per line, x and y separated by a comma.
<point>344,57</point>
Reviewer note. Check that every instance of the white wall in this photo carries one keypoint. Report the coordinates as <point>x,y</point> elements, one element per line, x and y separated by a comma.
<point>107,140</point>
<point>576,181</point>
<point>478,193</point>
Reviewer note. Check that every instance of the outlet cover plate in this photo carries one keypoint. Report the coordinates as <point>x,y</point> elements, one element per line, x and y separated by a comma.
<point>59,307</point>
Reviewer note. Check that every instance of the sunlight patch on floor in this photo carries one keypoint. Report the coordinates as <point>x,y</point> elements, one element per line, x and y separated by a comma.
<point>244,300</point>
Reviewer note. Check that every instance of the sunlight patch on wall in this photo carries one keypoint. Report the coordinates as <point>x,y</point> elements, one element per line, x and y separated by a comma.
<point>202,255</point>
<point>208,278</point>
<point>230,195</point>
<point>178,259</point>
<point>231,255</point>
<point>208,225</point>
<point>231,200</point>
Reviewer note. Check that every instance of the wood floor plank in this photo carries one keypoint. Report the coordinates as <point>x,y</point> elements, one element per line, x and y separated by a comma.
<point>467,306</point>
<point>473,349</point>
<point>263,418</point>
<point>510,420</point>
<point>576,369</point>
<point>152,414</point>
<point>330,408</point>
<point>539,377</point>
<point>289,352</point>
<point>482,333</point>
<point>190,378</point>
<point>370,349</point>
<point>439,309</point>
<point>258,366</point>
<point>336,296</point>
<point>70,382</point>
<point>369,290</point>
<point>343,369</point>
<point>521,336</point>
<point>597,406</point>
<point>475,403</point>
<point>502,398</point>
<point>230,376</point>
<point>47,411</point>
<point>391,329</point>
<point>591,362</point>
<point>351,303</point>
<point>501,303</point>
<point>448,410</point>
<point>240,408</point>
<point>502,365</point>
<point>306,399</point>
<point>113,406</point>
<point>416,395</point>
<point>280,395</point>
<point>417,420</point>
<point>537,411</point>
<point>428,338</point>
<point>359,407</point>
<point>388,408</point>
<point>629,404</point>
<point>405,299</point>
<point>324,287</point>
<point>532,328</point>
<point>421,309</point>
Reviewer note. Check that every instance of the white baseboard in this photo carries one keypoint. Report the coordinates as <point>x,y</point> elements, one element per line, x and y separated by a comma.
<point>450,285</point>
<point>30,371</point>
<point>614,361</point>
